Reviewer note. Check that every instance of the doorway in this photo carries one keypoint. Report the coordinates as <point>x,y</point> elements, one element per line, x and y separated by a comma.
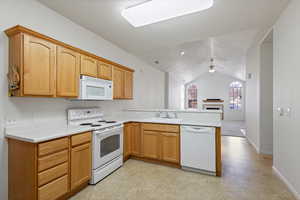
<point>266,95</point>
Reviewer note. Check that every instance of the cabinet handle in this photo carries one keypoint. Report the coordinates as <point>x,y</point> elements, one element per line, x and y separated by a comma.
<point>169,134</point>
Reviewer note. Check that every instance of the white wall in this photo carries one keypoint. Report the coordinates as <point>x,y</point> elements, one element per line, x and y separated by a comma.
<point>149,90</point>
<point>266,98</point>
<point>216,86</point>
<point>287,95</point>
<point>252,109</point>
<point>175,92</point>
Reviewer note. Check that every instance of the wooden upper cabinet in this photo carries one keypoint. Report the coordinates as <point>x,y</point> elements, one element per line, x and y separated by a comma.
<point>88,66</point>
<point>104,71</point>
<point>42,66</point>
<point>128,85</point>
<point>118,83</point>
<point>123,83</point>
<point>39,67</point>
<point>67,73</point>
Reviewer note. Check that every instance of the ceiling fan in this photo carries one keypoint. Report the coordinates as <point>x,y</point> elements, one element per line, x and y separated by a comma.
<point>212,68</point>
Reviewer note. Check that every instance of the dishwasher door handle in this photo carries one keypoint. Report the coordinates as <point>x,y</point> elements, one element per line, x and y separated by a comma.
<point>198,129</point>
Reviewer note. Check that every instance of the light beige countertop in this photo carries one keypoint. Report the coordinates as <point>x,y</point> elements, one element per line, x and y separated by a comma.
<point>176,121</point>
<point>41,133</point>
<point>44,132</point>
<point>174,110</point>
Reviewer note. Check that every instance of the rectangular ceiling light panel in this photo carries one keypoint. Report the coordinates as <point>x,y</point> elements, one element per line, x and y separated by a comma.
<point>154,11</point>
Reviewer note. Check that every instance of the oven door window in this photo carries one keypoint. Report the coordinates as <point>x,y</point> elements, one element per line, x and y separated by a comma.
<point>109,145</point>
<point>93,91</point>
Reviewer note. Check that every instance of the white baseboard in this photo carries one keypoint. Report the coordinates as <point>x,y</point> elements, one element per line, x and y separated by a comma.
<point>287,183</point>
<point>266,152</point>
<point>254,145</point>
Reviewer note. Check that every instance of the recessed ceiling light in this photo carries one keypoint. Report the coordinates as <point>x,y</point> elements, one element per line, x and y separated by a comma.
<point>182,53</point>
<point>154,11</point>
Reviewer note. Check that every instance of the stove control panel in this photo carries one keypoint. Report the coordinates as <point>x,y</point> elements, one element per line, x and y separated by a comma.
<point>84,113</point>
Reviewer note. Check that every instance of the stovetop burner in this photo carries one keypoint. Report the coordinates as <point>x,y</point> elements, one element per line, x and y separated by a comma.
<point>86,124</point>
<point>95,125</point>
<point>109,122</point>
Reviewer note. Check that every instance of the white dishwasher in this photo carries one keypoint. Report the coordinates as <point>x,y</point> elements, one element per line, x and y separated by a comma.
<point>198,149</point>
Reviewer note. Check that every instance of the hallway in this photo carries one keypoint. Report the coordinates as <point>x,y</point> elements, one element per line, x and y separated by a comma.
<point>233,128</point>
<point>246,176</point>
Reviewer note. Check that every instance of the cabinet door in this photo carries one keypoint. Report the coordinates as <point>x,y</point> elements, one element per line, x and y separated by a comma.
<point>151,146</point>
<point>128,83</point>
<point>104,71</point>
<point>67,72</point>
<point>39,67</point>
<point>88,66</point>
<point>80,165</point>
<point>118,82</point>
<point>136,139</point>
<point>170,147</point>
<point>127,141</point>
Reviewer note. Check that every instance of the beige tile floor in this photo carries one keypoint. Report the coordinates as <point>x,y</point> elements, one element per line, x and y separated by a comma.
<point>246,176</point>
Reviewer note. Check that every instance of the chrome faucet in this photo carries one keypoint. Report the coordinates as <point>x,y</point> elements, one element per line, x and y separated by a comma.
<point>167,115</point>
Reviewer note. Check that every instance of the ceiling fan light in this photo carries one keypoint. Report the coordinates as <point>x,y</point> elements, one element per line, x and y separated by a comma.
<point>212,69</point>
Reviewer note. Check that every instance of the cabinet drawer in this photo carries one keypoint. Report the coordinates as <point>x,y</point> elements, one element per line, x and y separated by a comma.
<point>53,146</point>
<point>52,174</point>
<point>161,127</point>
<point>52,160</point>
<point>54,190</point>
<point>81,138</point>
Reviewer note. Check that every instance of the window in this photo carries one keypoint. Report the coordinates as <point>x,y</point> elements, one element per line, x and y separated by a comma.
<point>192,96</point>
<point>235,96</point>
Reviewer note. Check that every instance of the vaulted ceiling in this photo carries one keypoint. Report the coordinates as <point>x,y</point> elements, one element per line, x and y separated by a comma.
<point>233,25</point>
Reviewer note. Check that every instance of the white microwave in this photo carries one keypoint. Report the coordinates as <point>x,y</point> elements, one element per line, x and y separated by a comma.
<point>95,89</point>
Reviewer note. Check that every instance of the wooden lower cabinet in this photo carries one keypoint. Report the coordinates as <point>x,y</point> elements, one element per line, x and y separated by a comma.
<point>160,142</point>
<point>49,170</point>
<point>52,174</point>
<point>80,165</point>
<point>132,140</point>
<point>127,141</point>
<point>161,146</point>
<point>151,145</point>
<point>136,139</point>
<point>170,147</point>
<point>55,189</point>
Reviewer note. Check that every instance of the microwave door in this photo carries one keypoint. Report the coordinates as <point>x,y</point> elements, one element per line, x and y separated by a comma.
<point>95,92</point>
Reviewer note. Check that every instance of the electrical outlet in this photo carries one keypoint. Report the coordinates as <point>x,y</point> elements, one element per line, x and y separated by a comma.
<point>11,122</point>
<point>288,112</point>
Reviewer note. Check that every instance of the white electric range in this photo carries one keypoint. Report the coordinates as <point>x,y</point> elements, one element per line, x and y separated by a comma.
<point>107,153</point>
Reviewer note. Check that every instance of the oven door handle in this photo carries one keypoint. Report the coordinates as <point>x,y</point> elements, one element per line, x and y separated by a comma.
<point>101,133</point>
<point>107,134</point>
